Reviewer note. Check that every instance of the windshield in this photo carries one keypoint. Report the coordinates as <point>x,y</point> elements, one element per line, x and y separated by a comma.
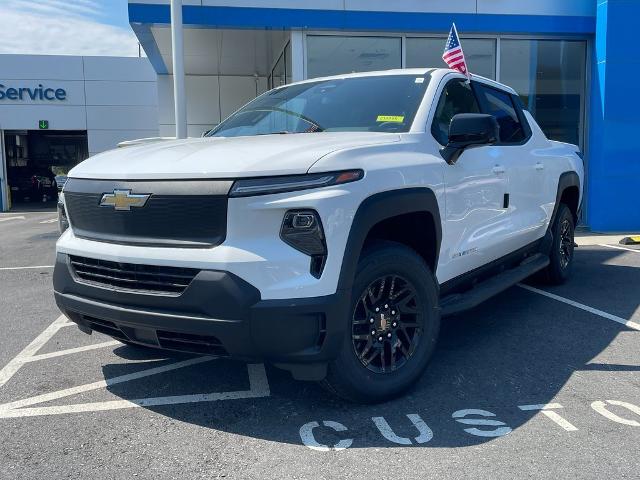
<point>362,104</point>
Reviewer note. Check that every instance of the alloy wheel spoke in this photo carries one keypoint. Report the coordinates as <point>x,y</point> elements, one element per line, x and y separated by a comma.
<point>361,337</point>
<point>388,342</point>
<point>374,353</point>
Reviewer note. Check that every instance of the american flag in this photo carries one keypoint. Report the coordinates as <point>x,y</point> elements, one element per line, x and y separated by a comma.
<point>453,54</point>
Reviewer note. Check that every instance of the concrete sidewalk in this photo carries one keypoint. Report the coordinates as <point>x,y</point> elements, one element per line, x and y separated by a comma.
<point>593,238</point>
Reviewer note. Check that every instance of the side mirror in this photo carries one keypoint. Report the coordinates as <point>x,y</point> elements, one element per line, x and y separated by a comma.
<point>469,129</point>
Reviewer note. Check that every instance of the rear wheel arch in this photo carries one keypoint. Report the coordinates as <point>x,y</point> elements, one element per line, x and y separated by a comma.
<point>568,193</point>
<point>380,213</point>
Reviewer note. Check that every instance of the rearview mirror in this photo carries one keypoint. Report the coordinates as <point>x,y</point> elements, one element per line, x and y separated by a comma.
<point>469,129</point>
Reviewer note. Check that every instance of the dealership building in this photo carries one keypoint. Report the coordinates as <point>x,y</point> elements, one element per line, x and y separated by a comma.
<point>55,111</point>
<point>574,62</point>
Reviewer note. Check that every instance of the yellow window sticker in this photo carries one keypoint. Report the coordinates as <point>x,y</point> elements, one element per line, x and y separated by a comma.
<point>391,118</point>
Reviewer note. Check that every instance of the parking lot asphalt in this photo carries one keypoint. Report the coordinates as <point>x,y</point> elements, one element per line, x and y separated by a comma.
<point>538,382</point>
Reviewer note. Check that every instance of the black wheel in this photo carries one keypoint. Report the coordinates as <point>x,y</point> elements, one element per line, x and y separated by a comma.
<point>393,326</point>
<point>563,229</point>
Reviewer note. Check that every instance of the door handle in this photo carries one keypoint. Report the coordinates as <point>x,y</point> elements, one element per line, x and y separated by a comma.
<point>498,169</point>
<point>539,166</point>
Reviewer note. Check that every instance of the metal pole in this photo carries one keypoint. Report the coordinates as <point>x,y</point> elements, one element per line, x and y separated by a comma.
<point>177,44</point>
<point>4,181</point>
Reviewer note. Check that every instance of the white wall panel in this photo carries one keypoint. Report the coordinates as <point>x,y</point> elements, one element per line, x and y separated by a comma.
<point>101,140</point>
<point>121,117</point>
<point>26,117</point>
<point>235,92</point>
<point>262,85</point>
<point>119,69</point>
<point>193,131</point>
<point>203,100</point>
<point>165,99</point>
<point>41,67</point>
<point>121,93</point>
<point>168,130</point>
<point>539,7</point>
<point>207,98</point>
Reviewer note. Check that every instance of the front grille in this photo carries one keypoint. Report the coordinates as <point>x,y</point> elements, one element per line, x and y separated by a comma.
<point>186,214</point>
<point>131,276</point>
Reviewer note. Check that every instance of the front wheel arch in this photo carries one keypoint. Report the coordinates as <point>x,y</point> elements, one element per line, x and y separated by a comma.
<point>378,208</point>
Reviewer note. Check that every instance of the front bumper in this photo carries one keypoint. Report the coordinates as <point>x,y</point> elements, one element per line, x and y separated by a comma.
<point>218,314</point>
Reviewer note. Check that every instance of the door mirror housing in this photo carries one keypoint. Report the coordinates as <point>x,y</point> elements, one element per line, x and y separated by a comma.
<point>467,130</point>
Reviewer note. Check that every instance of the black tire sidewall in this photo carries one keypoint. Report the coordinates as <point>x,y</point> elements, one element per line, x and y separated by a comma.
<point>347,372</point>
<point>557,273</point>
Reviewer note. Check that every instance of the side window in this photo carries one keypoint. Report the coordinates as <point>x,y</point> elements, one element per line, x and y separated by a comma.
<point>457,97</point>
<point>500,105</point>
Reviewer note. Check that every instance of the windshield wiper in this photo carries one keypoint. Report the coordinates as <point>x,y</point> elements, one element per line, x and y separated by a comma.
<point>316,126</point>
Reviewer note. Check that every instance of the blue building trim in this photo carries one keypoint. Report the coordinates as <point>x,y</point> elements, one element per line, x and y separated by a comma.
<point>284,18</point>
<point>614,159</point>
<point>148,42</point>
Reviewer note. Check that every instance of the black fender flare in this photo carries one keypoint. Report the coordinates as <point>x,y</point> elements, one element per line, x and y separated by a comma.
<point>567,179</point>
<point>377,208</point>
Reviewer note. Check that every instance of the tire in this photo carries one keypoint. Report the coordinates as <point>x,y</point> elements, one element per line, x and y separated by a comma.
<point>409,327</point>
<point>563,230</point>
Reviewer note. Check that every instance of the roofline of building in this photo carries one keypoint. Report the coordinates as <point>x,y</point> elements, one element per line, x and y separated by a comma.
<point>143,16</point>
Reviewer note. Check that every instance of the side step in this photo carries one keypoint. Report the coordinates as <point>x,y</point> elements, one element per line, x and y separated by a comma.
<point>459,302</point>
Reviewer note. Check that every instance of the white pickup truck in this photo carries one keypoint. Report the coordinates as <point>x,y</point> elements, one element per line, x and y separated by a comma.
<point>325,227</point>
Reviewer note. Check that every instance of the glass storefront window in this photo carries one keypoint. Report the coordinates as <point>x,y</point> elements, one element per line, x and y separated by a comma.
<point>479,52</point>
<point>335,55</point>
<point>550,77</point>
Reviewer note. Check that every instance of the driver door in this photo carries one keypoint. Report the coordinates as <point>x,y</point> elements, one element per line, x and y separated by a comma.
<point>475,187</point>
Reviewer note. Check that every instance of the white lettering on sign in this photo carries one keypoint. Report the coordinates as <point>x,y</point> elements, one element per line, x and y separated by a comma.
<point>307,437</point>
<point>487,426</point>
<point>425,434</point>
<point>547,410</point>
<point>601,408</point>
<point>481,422</point>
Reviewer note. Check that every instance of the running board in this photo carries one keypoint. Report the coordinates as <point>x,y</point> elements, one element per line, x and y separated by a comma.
<point>459,302</point>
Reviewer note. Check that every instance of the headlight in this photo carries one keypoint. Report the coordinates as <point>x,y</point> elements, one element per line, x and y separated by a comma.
<point>63,221</point>
<point>291,183</point>
<point>302,230</point>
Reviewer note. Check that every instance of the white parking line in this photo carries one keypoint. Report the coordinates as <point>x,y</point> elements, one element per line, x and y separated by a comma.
<point>47,397</point>
<point>586,308</point>
<point>26,268</point>
<point>52,220</point>
<point>258,382</point>
<point>6,219</point>
<point>617,247</point>
<point>60,353</point>
<point>258,387</point>
<point>30,350</point>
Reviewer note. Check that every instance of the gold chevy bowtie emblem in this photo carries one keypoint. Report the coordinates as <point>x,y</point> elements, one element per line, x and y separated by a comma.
<point>123,200</point>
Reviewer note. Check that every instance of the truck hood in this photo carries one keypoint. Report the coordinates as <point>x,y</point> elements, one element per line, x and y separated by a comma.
<point>219,157</point>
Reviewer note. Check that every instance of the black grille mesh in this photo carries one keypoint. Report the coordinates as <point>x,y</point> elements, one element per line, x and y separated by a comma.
<point>134,277</point>
<point>165,220</point>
